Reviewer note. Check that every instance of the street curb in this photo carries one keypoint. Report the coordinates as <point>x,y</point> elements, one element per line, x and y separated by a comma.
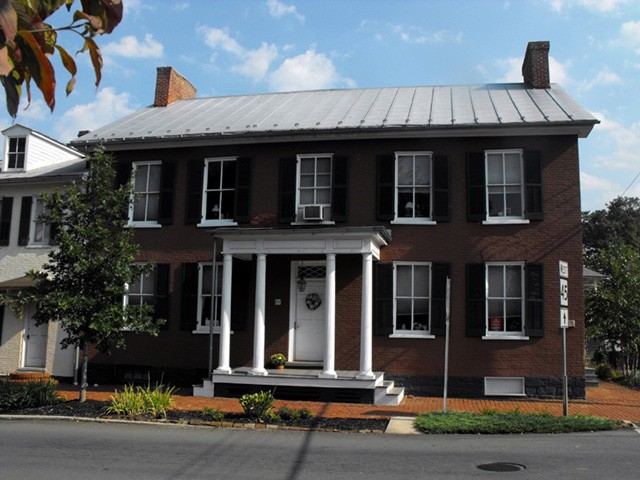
<point>216,425</point>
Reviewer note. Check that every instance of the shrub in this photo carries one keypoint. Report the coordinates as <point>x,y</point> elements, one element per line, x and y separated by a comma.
<point>305,413</point>
<point>604,371</point>
<point>257,405</point>
<point>288,413</point>
<point>213,414</point>
<point>136,401</point>
<point>35,393</point>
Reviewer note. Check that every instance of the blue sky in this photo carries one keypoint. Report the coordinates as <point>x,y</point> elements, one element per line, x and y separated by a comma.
<point>227,47</point>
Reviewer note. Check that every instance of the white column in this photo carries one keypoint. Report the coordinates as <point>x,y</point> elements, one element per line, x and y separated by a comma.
<point>330,318</point>
<point>225,317</point>
<point>366,319</point>
<point>258,333</point>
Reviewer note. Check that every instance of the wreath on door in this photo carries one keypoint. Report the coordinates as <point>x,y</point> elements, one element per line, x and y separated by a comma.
<point>313,301</point>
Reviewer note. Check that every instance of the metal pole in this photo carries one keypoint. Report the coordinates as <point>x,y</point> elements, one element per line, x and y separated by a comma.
<point>446,345</point>
<point>213,305</point>
<point>565,386</point>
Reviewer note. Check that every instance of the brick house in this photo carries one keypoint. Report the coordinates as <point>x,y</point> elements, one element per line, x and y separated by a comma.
<point>324,225</point>
<point>33,164</point>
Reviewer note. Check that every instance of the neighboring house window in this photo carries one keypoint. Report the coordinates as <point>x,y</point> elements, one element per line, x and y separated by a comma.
<point>504,186</point>
<point>16,153</point>
<point>505,300</point>
<point>40,231</point>
<point>151,289</point>
<point>314,187</point>
<point>413,186</point>
<point>412,302</point>
<point>146,186</point>
<point>6,208</point>
<point>219,190</point>
<point>207,293</point>
<point>410,299</point>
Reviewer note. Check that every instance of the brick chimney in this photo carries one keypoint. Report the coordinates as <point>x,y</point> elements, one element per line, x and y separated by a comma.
<point>535,67</point>
<point>171,86</point>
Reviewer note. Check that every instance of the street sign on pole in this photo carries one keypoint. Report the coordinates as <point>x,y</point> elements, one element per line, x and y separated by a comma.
<point>563,269</point>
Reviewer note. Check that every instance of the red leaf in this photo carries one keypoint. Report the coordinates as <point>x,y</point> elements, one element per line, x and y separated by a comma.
<point>8,20</point>
<point>38,66</point>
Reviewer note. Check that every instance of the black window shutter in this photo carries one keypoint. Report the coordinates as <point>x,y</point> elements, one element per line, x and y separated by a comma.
<point>243,189</point>
<point>339,189</point>
<point>123,173</point>
<point>385,177</point>
<point>195,174</point>
<point>287,203</point>
<point>161,295</point>
<point>441,189</point>
<point>439,274</point>
<point>189,304</point>
<point>167,176</point>
<point>534,283</point>
<point>476,195</point>
<point>476,316</point>
<point>533,186</point>
<point>383,320</point>
<point>1,321</point>
<point>5,220</point>
<point>25,221</point>
<point>54,228</point>
<point>241,284</point>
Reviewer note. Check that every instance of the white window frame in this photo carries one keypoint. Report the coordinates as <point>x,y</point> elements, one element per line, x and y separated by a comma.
<point>125,298</point>
<point>35,224</point>
<point>326,206</point>
<point>216,291</point>
<point>399,333</point>
<point>10,152</point>
<point>144,223</point>
<point>204,222</point>
<point>504,334</point>
<point>505,219</point>
<point>413,220</point>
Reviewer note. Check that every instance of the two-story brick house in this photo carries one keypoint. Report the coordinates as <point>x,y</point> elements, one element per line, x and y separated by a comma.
<point>334,219</point>
<point>33,164</point>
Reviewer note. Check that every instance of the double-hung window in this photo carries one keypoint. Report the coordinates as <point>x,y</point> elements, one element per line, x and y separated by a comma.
<point>151,288</point>
<point>40,230</point>
<point>144,211</point>
<point>219,191</point>
<point>16,153</point>
<point>412,285</point>
<point>505,298</point>
<point>209,290</point>
<point>314,187</point>
<point>413,187</point>
<point>505,193</point>
<point>142,290</point>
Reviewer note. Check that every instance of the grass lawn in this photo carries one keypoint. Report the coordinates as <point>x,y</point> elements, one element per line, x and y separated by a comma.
<point>509,422</point>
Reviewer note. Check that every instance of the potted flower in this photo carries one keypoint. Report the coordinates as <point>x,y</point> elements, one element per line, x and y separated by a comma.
<point>278,360</point>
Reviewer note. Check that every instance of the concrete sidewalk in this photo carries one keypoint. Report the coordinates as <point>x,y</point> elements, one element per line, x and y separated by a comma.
<point>607,400</point>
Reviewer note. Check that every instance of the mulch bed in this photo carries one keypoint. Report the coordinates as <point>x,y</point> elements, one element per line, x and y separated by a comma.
<point>97,409</point>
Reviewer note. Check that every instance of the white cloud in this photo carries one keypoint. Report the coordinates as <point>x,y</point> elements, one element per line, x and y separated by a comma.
<point>257,62</point>
<point>603,78</point>
<point>136,7</point>
<point>597,191</point>
<point>279,9</point>
<point>419,36</point>
<point>107,107</point>
<point>218,38</point>
<point>629,36</point>
<point>181,6</point>
<point>131,47</point>
<point>601,6</point>
<point>621,143</point>
<point>308,71</point>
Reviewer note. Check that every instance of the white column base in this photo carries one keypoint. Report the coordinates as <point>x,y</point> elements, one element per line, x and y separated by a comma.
<point>366,376</point>
<point>328,374</point>
<point>258,371</point>
<point>222,371</point>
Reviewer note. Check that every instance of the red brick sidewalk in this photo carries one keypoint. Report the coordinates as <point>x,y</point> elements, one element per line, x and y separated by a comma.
<point>607,400</point>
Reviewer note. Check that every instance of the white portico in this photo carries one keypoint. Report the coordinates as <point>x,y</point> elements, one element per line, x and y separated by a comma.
<point>329,242</point>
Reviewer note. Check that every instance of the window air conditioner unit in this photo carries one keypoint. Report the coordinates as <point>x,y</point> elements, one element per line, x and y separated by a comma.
<point>312,212</point>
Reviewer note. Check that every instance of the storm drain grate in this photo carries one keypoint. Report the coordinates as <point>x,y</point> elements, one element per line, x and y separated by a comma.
<point>501,467</point>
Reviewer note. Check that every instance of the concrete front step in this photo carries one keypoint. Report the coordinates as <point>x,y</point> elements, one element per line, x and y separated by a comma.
<point>590,377</point>
<point>388,394</point>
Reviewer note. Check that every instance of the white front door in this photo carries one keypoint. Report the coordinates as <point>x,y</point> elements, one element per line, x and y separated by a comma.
<point>309,313</point>
<point>35,342</point>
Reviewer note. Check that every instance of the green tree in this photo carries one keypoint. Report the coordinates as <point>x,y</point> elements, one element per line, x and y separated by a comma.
<point>26,42</point>
<point>618,223</point>
<point>612,312</point>
<point>83,283</point>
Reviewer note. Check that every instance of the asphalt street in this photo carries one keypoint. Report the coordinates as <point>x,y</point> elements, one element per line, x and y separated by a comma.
<point>31,449</point>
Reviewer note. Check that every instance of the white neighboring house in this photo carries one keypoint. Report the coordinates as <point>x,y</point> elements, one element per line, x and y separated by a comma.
<point>32,164</point>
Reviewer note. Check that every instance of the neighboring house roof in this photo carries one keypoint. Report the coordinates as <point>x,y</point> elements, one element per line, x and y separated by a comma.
<point>465,110</point>
<point>64,171</point>
<point>19,130</point>
<point>592,274</point>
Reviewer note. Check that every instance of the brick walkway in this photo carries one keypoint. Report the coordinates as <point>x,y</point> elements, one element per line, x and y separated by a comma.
<point>607,400</point>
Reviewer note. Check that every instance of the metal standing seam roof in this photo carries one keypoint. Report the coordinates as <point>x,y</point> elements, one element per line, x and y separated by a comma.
<point>403,108</point>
